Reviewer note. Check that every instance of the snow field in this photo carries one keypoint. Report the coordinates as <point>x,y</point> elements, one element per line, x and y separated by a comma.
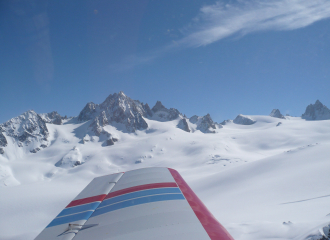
<point>251,177</point>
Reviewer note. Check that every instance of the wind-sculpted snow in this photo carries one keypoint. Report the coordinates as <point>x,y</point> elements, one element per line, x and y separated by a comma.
<point>276,113</point>
<point>72,159</point>
<point>316,111</point>
<point>244,120</point>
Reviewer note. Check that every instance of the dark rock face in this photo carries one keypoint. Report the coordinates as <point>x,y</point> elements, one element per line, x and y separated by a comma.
<point>57,121</point>
<point>224,122</point>
<point>146,108</point>
<point>207,124</point>
<point>88,112</point>
<point>158,106</point>
<point>97,125</point>
<point>3,140</point>
<point>204,124</point>
<point>277,114</point>
<point>52,117</point>
<point>183,124</point>
<point>109,142</point>
<point>194,119</point>
<point>316,111</point>
<point>35,150</point>
<point>26,128</point>
<point>2,151</point>
<point>117,108</point>
<point>161,113</point>
<point>244,120</point>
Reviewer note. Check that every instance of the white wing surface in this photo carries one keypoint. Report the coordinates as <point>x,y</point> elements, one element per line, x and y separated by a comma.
<point>149,203</point>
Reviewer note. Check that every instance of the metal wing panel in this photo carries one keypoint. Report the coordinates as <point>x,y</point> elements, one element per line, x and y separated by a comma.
<point>142,177</point>
<point>150,203</point>
<point>144,204</point>
<point>71,219</point>
<point>156,220</point>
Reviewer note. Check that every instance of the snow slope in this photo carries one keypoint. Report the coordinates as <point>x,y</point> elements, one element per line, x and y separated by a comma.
<point>251,177</point>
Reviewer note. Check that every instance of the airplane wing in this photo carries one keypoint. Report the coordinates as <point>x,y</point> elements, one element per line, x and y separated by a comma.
<point>146,204</point>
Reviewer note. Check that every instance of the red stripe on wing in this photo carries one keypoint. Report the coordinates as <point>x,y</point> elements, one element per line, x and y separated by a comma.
<point>213,228</point>
<point>87,200</point>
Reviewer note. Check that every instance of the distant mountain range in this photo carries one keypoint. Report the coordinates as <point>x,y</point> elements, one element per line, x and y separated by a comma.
<point>30,130</point>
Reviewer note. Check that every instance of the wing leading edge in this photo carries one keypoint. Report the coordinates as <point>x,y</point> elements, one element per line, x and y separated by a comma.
<point>149,203</point>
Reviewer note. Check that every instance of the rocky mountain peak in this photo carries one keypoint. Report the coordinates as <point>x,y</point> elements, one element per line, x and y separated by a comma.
<point>161,113</point>
<point>88,112</point>
<point>116,108</point>
<point>28,129</point>
<point>318,103</point>
<point>244,120</point>
<point>121,93</point>
<point>205,124</point>
<point>158,106</point>
<point>276,113</point>
<point>316,111</point>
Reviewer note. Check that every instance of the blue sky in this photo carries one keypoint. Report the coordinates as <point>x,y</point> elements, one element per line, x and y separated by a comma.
<point>219,57</point>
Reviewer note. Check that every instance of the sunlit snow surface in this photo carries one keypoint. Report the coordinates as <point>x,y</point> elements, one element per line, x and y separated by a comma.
<point>252,178</point>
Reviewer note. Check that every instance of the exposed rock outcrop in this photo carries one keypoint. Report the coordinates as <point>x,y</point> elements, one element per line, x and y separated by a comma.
<point>277,114</point>
<point>183,124</point>
<point>35,150</point>
<point>88,112</point>
<point>224,122</point>
<point>204,124</point>
<point>53,117</point>
<point>117,108</point>
<point>161,113</point>
<point>316,111</point>
<point>25,129</point>
<point>3,140</point>
<point>244,120</point>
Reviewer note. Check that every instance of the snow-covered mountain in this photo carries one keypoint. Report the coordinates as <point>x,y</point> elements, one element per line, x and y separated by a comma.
<point>116,109</point>
<point>53,117</point>
<point>277,114</point>
<point>244,120</point>
<point>261,179</point>
<point>205,124</point>
<point>316,111</point>
<point>28,130</point>
<point>161,113</point>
